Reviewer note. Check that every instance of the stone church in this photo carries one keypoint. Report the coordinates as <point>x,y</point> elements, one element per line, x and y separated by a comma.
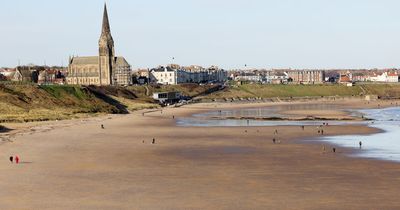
<point>105,69</point>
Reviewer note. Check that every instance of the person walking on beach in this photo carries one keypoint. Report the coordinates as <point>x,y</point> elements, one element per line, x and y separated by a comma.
<point>322,132</point>
<point>16,159</point>
<point>334,150</point>
<point>302,127</point>
<point>11,159</point>
<point>154,141</point>
<point>360,143</point>
<point>102,126</point>
<point>276,132</point>
<point>274,140</point>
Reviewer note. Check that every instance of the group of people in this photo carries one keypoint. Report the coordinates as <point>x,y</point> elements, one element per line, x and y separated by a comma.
<point>152,142</point>
<point>12,158</point>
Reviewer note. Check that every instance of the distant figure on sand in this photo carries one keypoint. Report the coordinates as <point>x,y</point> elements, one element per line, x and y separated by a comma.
<point>154,141</point>
<point>16,159</point>
<point>173,117</point>
<point>334,150</point>
<point>11,159</point>
<point>276,132</point>
<point>360,143</point>
<point>322,132</point>
<point>274,140</point>
<point>302,127</point>
<point>323,149</point>
<point>102,126</point>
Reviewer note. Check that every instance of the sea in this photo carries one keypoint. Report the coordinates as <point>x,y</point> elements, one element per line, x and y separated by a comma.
<point>384,145</point>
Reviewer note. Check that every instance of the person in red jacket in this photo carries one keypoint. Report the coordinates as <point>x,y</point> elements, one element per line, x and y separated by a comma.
<point>16,159</point>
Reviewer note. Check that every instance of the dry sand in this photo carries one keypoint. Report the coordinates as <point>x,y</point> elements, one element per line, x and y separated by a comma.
<point>77,165</point>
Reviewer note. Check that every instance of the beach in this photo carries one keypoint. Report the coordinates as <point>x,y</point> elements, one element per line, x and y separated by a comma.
<point>77,165</point>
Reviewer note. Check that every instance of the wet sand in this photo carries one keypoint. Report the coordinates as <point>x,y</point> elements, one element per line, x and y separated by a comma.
<point>78,165</point>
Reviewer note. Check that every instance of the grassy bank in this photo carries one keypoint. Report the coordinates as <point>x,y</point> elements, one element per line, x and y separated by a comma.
<point>29,102</point>
<point>282,91</point>
<point>24,103</point>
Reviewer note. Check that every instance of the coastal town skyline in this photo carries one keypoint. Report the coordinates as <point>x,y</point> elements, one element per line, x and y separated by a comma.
<point>231,35</point>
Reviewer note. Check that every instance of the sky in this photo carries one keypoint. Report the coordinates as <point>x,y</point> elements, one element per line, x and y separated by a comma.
<point>227,33</point>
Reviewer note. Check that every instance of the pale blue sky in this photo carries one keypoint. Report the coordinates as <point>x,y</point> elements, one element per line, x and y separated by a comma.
<point>228,33</point>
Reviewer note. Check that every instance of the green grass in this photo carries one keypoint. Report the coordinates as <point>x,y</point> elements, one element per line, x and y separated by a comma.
<point>382,90</point>
<point>62,91</point>
<point>274,91</point>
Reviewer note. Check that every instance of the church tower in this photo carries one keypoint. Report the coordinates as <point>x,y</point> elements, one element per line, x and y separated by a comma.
<point>106,52</point>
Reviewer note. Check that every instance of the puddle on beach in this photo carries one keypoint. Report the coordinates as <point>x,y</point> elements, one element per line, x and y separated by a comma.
<point>385,145</point>
<point>266,112</point>
<point>210,119</point>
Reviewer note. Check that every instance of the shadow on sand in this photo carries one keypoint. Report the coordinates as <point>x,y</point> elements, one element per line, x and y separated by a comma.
<point>4,129</point>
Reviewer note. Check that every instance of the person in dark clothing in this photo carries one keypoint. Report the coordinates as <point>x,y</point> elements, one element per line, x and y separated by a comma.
<point>11,159</point>
<point>334,150</point>
<point>360,143</point>
<point>154,141</point>
<point>102,126</point>
<point>274,140</point>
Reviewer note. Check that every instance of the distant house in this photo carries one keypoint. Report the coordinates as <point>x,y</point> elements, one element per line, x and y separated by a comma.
<point>277,78</point>
<point>6,72</point>
<point>392,77</point>
<point>306,76</point>
<point>25,74</point>
<point>164,76</point>
<point>249,77</point>
<point>345,79</point>
<point>360,77</point>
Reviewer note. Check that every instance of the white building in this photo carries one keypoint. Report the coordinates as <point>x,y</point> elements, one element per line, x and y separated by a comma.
<point>250,77</point>
<point>164,76</point>
<point>172,76</point>
<point>385,77</point>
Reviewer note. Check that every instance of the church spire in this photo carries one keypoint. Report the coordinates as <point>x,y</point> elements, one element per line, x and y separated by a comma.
<point>106,23</point>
